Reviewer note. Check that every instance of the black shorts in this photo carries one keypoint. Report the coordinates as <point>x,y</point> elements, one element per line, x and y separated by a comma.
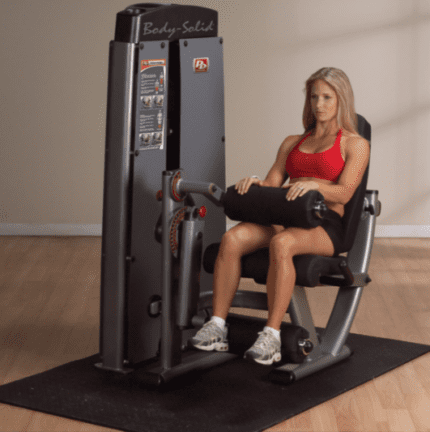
<point>332,224</point>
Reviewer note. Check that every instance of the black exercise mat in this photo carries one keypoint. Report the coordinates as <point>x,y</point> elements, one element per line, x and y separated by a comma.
<point>235,396</point>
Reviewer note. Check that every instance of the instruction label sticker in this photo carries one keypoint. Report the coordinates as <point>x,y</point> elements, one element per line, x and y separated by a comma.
<point>152,101</point>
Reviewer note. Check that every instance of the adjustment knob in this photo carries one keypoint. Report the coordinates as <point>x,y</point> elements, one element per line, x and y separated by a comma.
<point>305,346</point>
<point>320,209</point>
<point>202,211</point>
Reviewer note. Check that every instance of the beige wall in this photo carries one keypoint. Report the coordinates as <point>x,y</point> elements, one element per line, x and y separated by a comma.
<point>54,61</point>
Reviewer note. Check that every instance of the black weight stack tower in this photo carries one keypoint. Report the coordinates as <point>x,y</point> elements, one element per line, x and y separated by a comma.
<point>165,110</point>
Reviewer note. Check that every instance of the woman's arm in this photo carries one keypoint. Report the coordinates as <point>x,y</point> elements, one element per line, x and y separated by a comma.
<point>357,159</point>
<point>277,174</point>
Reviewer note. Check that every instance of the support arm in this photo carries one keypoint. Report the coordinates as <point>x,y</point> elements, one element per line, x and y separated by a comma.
<point>210,190</point>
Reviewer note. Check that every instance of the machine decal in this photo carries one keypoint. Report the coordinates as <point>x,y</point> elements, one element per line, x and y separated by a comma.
<point>170,30</point>
<point>152,99</point>
<point>201,65</point>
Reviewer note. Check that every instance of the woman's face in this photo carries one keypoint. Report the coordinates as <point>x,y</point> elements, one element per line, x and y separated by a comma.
<point>323,101</point>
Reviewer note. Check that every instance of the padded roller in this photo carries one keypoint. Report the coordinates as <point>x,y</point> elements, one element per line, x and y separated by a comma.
<point>243,332</point>
<point>269,206</point>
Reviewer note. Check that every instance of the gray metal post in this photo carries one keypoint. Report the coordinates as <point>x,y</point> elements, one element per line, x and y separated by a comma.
<point>170,336</point>
<point>348,299</point>
<point>115,206</point>
<point>301,315</point>
<point>189,269</point>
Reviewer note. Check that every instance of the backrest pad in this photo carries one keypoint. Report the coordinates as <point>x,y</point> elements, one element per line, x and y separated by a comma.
<point>354,207</point>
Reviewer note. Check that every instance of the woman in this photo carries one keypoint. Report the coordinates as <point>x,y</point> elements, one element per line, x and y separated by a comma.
<point>311,161</point>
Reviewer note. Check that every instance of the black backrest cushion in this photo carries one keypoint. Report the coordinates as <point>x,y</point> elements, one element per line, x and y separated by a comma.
<point>354,207</point>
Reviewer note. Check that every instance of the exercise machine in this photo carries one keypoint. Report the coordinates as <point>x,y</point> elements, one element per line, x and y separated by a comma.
<point>163,212</point>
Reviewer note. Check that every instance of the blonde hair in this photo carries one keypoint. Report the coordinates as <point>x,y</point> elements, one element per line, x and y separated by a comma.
<point>337,79</point>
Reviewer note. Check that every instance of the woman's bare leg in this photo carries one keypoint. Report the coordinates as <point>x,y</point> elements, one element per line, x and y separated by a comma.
<point>241,240</point>
<point>280,286</point>
<point>281,278</point>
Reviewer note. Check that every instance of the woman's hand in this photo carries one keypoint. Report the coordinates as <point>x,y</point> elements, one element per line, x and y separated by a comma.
<point>243,185</point>
<point>299,189</point>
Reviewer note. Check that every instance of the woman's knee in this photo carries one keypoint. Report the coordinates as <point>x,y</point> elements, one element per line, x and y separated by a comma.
<point>245,238</point>
<point>282,245</point>
<point>231,241</point>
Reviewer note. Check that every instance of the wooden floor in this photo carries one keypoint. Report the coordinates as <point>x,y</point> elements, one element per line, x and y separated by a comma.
<point>49,303</point>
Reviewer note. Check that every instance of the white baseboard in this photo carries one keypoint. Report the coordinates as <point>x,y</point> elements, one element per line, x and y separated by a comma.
<point>414,231</point>
<point>64,230</point>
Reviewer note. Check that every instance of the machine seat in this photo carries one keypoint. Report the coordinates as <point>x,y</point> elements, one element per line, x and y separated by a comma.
<point>310,269</point>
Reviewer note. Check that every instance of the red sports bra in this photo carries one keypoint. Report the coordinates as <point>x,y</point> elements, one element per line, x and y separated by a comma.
<point>327,165</point>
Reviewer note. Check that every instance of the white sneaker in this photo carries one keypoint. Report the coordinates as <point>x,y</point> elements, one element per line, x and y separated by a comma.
<point>266,349</point>
<point>210,337</point>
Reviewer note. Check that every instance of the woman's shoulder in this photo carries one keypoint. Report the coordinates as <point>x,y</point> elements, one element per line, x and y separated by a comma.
<point>353,139</point>
<point>355,143</point>
<point>291,140</point>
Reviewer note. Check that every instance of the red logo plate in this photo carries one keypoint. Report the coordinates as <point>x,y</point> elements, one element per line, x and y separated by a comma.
<point>201,64</point>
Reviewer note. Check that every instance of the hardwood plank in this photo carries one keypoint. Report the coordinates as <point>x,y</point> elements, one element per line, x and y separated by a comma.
<point>399,420</point>
<point>15,418</point>
<point>299,423</point>
<point>323,418</point>
<point>49,315</point>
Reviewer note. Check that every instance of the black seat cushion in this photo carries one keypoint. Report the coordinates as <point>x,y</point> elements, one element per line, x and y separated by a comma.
<point>309,268</point>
